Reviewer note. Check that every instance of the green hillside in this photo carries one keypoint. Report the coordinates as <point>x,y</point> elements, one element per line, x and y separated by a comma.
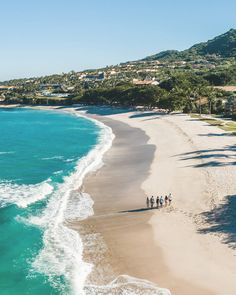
<point>223,46</point>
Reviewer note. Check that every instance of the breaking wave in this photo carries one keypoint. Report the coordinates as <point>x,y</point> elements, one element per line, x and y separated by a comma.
<point>127,285</point>
<point>23,195</point>
<point>62,252</point>
<point>61,257</point>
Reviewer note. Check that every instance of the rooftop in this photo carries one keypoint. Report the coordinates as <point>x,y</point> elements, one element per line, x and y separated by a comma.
<point>226,88</point>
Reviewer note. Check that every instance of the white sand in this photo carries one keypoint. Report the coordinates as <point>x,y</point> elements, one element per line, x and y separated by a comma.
<point>196,257</point>
<point>197,163</point>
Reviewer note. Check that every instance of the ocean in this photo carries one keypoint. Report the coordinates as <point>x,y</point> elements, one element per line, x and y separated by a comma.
<point>44,156</point>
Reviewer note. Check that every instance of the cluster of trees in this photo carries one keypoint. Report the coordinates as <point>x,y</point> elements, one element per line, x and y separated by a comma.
<point>188,92</point>
<point>221,77</point>
<point>182,91</point>
<point>28,100</point>
<point>179,91</point>
<point>230,106</point>
<point>123,95</point>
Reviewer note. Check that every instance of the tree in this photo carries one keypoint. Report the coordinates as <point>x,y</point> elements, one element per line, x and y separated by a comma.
<point>231,105</point>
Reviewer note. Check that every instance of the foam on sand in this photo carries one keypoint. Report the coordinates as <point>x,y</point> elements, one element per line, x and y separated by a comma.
<point>62,252</point>
<point>127,285</point>
<point>61,257</point>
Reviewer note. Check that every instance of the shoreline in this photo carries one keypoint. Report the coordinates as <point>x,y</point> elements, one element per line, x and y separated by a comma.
<point>176,233</point>
<point>126,234</point>
<point>180,247</point>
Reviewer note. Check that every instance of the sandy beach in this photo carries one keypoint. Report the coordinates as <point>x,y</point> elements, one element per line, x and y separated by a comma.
<point>118,148</point>
<point>188,247</point>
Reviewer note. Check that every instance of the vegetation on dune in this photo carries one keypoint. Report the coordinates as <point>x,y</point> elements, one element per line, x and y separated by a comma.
<point>228,126</point>
<point>180,92</point>
<point>187,92</point>
<point>125,95</point>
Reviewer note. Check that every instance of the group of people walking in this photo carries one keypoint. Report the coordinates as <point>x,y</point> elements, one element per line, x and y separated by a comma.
<point>160,201</point>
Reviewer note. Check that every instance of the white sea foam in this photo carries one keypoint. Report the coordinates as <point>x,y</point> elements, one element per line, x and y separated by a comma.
<point>69,160</point>
<point>53,158</point>
<point>58,172</point>
<point>6,153</point>
<point>126,285</point>
<point>23,195</point>
<point>62,253</point>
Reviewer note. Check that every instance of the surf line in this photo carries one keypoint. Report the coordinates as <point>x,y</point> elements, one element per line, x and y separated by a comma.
<point>62,251</point>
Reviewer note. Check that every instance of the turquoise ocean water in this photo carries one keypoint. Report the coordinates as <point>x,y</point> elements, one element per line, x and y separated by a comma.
<point>39,173</point>
<point>44,156</point>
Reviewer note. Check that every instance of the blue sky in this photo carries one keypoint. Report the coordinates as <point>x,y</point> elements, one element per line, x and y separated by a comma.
<point>44,37</point>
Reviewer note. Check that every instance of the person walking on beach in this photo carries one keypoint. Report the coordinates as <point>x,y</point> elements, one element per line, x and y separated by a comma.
<point>170,198</point>
<point>152,202</point>
<point>158,201</point>
<point>166,200</point>
<point>161,201</point>
<point>148,202</point>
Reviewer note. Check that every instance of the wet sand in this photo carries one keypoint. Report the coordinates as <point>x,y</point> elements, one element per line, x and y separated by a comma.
<point>189,247</point>
<point>121,218</point>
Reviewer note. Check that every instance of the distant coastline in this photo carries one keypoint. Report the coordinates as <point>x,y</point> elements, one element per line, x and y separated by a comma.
<point>200,80</point>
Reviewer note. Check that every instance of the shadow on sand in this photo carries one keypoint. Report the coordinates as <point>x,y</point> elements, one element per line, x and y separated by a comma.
<point>222,220</point>
<point>99,110</point>
<point>109,110</point>
<point>215,156</point>
<point>146,114</point>
<point>138,210</point>
<point>216,134</point>
<point>104,111</point>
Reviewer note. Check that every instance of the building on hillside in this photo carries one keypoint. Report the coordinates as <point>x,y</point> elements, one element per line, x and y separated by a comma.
<point>113,72</point>
<point>226,88</point>
<point>8,88</point>
<point>137,82</point>
<point>2,97</point>
<point>95,77</point>
<point>50,87</point>
<point>53,90</point>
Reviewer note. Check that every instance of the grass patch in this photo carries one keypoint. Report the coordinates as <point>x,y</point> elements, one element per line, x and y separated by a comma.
<point>51,97</point>
<point>231,126</point>
<point>210,121</point>
<point>195,116</point>
<point>226,126</point>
